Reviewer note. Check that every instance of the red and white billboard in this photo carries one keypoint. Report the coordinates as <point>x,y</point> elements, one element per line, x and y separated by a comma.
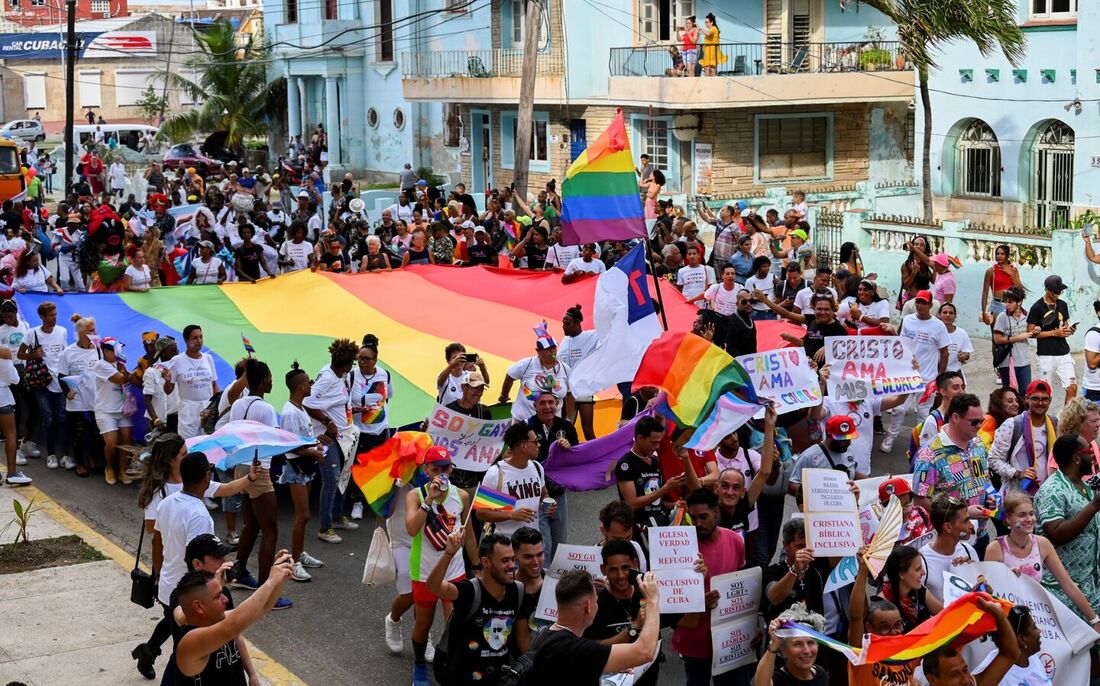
<point>122,44</point>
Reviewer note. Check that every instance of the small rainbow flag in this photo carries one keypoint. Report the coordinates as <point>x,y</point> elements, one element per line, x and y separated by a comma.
<point>600,199</point>
<point>247,344</point>
<point>376,471</point>
<point>487,499</point>
<point>694,373</point>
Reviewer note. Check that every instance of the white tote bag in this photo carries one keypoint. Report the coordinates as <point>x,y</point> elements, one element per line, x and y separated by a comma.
<point>380,567</point>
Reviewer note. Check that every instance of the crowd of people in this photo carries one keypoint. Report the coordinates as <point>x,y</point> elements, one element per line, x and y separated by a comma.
<point>69,384</point>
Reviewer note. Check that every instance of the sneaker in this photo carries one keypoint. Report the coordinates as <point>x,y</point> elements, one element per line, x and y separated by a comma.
<point>146,657</point>
<point>109,476</point>
<point>309,561</point>
<point>329,536</point>
<point>210,503</point>
<point>30,449</point>
<point>283,604</point>
<point>345,523</point>
<point>68,462</point>
<point>244,580</point>
<point>232,538</point>
<point>429,651</point>
<point>887,445</point>
<point>393,635</point>
<point>20,458</point>
<point>19,479</point>
<point>420,676</point>
<point>299,573</point>
<point>52,462</point>
<point>357,511</point>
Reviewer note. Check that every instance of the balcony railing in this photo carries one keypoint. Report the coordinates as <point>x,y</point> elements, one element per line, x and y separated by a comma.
<point>487,63</point>
<point>758,59</point>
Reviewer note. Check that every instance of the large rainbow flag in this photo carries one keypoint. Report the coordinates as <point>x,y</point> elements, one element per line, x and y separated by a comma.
<point>600,194</point>
<point>415,312</point>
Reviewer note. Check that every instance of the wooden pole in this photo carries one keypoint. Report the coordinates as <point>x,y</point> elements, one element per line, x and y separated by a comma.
<point>531,26</point>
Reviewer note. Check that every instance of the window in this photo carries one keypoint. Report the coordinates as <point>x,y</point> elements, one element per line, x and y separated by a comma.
<point>655,142</point>
<point>34,90</point>
<point>458,6</point>
<point>292,11</point>
<point>88,83</point>
<point>332,9</point>
<point>101,7</point>
<point>372,118</point>
<point>385,30</point>
<point>130,84</point>
<point>794,147</point>
<point>540,140</point>
<point>38,3</point>
<point>518,12</point>
<point>659,19</point>
<point>398,119</point>
<point>452,125</point>
<point>1054,9</point>
<point>978,156</point>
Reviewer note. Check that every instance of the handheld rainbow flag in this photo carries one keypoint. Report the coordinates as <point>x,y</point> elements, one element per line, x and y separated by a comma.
<point>247,345</point>
<point>694,373</point>
<point>487,499</point>
<point>376,471</point>
<point>600,198</point>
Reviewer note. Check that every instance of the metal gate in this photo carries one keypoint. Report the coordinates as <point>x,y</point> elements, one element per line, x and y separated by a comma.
<point>1052,176</point>
<point>826,237</point>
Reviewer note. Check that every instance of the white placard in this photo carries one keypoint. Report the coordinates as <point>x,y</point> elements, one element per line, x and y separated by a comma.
<point>548,603</point>
<point>475,444</point>
<point>682,591</point>
<point>862,367</point>
<point>673,547</point>
<point>738,594</point>
<point>568,557</point>
<point>731,644</point>
<point>784,377</point>
<point>832,520</point>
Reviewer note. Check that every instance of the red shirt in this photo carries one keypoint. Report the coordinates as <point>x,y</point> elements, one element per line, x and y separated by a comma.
<point>725,554</point>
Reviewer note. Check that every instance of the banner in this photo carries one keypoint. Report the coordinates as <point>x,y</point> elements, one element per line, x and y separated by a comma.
<point>738,594</point>
<point>672,554</point>
<point>1065,636</point>
<point>862,367</point>
<point>704,169</point>
<point>784,377</point>
<point>475,444</point>
<point>733,622</point>
<point>832,518</point>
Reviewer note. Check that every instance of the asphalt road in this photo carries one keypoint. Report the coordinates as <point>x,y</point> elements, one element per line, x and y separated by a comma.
<point>334,632</point>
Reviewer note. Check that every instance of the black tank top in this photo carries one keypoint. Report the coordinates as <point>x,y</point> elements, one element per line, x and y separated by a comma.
<point>224,667</point>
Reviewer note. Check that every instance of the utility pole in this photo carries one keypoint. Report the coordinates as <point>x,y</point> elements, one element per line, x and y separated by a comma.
<point>70,95</point>
<point>532,24</point>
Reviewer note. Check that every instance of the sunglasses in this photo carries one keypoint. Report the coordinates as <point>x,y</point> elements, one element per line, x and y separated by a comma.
<point>976,422</point>
<point>1017,615</point>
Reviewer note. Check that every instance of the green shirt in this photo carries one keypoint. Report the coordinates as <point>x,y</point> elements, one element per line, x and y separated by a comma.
<point>1060,498</point>
<point>34,187</point>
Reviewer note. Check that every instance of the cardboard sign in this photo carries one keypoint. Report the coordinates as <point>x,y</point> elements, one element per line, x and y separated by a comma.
<point>682,591</point>
<point>731,644</point>
<point>548,603</point>
<point>631,677</point>
<point>862,367</point>
<point>475,444</point>
<point>738,594</point>
<point>673,547</point>
<point>783,377</point>
<point>832,517</point>
<point>568,557</point>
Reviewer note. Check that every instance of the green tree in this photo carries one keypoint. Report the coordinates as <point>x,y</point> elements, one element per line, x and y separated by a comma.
<point>924,26</point>
<point>230,88</point>
<point>151,104</point>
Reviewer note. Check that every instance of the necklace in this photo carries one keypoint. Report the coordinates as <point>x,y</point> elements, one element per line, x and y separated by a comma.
<point>1024,547</point>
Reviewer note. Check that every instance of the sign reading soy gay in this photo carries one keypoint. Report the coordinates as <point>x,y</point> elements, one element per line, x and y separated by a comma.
<point>475,444</point>
<point>672,554</point>
<point>832,517</point>
<point>862,367</point>
<point>784,377</point>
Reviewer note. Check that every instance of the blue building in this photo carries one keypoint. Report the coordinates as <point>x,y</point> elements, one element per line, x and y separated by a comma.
<point>1005,138</point>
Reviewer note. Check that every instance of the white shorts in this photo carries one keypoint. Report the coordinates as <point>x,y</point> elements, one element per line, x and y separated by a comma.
<point>1062,365</point>
<point>401,564</point>
<point>112,421</point>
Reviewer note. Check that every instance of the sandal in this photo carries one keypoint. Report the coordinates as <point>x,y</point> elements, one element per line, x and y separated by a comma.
<point>82,472</point>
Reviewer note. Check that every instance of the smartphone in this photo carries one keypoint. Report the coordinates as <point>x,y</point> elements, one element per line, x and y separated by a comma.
<point>634,576</point>
<point>471,358</point>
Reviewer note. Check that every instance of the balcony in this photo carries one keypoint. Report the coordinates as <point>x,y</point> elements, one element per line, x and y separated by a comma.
<point>758,74</point>
<point>489,75</point>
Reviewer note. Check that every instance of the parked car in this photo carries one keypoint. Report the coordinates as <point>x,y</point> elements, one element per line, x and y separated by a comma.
<point>188,155</point>
<point>24,130</point>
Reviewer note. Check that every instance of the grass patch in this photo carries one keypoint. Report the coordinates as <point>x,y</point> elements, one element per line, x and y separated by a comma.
<point>379,186</point>
<point>47,552</point>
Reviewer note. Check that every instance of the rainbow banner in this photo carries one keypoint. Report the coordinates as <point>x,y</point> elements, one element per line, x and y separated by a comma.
<point>600,194</point>
<point>415,312</point>
<point>376,471</point>
<point>695,373</point>
<point>960,622</point>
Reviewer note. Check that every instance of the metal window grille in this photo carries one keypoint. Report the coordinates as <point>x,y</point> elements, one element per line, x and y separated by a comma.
<point>979,161</point>
<point>1052,164</point>
<point>793,135</point>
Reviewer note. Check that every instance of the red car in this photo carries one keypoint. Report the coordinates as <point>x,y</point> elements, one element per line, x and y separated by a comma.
<point>188,155</point>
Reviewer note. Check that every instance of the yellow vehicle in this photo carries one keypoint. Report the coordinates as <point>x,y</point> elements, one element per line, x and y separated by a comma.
<point>12,183</point>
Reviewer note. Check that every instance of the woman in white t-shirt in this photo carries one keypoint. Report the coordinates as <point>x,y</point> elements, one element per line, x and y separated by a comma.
<point>959,348</point>
<point>111,377</point>
<point>31,276</point>
<point>8,379</point>
<point>161,409</point>
<point>207,269</point>
<point>75,374</point>
<point>865,309</point>
<point>300,468</point>
<point>137,276</point>
<point>192,371</point>
<point>576,346</point>
<point>541,373</point>
<point>297,253</point>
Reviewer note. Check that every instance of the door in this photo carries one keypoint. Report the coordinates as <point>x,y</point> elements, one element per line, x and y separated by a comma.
<point>481,152</point>
<point>578,138</point>
<point>1052,164</point>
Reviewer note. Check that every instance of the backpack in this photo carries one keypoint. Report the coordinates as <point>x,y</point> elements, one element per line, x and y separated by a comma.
<point>444,650</point>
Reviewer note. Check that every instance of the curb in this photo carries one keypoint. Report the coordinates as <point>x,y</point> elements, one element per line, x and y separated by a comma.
<point>270,670</point>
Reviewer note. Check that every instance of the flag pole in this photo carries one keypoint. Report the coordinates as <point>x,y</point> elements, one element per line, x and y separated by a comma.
<point>656,282</point>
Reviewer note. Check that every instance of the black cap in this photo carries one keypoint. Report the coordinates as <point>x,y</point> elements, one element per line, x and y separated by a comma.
<point>206,545</point>
<point>1053,283</point>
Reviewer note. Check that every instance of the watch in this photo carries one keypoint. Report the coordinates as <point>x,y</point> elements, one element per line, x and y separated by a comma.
<point>632,632</point>
<point>426,506</point>
<point>1095,620</point>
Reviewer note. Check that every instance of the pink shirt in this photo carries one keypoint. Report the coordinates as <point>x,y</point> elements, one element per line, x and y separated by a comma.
<point>945,285</point>
<point>723,555</point>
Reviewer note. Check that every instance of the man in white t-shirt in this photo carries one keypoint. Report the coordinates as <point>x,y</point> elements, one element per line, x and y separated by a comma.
<point>835,452</point>
<point>802,298</point>
<point>521,477</point>
<point>722,297</point>
<point>402,209</point>
<point>1091,372</point>
<point>585,265</point>
<point>929,341</point>
<point>948,549</point>
<point>694,278</point>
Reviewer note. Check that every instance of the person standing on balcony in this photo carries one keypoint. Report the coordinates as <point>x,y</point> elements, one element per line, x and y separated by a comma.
<point>689,34</point>
<point>712,56</point>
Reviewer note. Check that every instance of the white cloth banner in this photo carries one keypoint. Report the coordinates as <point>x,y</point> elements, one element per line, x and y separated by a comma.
<point>784,377</point>
<point>862,367</point>
<point>475,444</point>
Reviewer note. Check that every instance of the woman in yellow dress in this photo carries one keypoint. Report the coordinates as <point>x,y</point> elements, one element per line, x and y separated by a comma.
<point>712,56</point>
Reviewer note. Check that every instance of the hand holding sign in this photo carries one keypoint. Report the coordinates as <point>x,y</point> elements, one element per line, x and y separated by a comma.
<point>673,551</point>
<point>832,517</point>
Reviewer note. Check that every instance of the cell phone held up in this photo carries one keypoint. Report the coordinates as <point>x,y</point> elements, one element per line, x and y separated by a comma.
<point>471,358</point>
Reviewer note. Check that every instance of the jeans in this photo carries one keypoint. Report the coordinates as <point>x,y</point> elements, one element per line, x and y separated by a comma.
<point>1092,395</point>
<point>763,316</point>
<point>697,673</point>
<point>552,528</point>
<point>51,407</point>
<point>331,505</point>
<point>1023,377</point>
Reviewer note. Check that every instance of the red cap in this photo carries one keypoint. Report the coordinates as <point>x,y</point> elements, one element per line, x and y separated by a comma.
<point>896,486</point>
<point>438,455</point>
<point>1038,385</point>
<point>926,296</point>
<point>841,428</point>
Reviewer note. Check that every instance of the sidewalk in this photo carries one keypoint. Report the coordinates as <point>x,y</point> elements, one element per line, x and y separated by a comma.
<point>76,624</point>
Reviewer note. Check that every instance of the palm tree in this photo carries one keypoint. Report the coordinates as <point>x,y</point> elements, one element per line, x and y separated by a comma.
<point>230,88</point>
<point>926,25</point>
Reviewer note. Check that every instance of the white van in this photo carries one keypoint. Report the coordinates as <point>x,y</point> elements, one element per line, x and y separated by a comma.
<point>128,134</point>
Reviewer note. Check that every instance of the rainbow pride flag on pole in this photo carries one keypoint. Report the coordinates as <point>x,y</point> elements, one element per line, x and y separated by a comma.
<point>487,499</point>
<point>695,374</point>
<point>376,471</point>
<point>600,194</point>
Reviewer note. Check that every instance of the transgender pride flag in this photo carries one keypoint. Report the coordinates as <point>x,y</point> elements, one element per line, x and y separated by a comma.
<point>728,415</point>
<point>239,442</point>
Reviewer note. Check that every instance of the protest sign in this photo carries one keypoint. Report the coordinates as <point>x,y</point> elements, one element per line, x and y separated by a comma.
<point>631,677</point>
<point>673,547</point>
<point>731,644</point>
<point>784,377</point>
<point>738,594</point>
<point>842,575</point>
<point>682,590</point>
<point>475,444</point>
<point>832,520</point>
<point>862,367</point>
<point>1065,636</point>
<point>547,607</point>
<point>568,557</point>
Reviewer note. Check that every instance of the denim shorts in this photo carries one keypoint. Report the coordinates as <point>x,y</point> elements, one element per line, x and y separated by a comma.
<point>231,503</point>
<point>7,409</point>
<point>290,475</point>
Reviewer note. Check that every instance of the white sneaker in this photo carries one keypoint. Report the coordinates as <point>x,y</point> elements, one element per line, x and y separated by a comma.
<point>887,444</point>
<point>429,651</point>
<point>68,462</point>
<point>30,449</point>
<point>393,636</point>
<point>232,537</point>
<point>210,503</point>
<point>309,561</point>
<point>329,536</point>
<point>345,523</point>
<point>19,479</point>
<point>20,458</point>
<point>51,462</point>
<point>357,511</point>
<point>299,573</point>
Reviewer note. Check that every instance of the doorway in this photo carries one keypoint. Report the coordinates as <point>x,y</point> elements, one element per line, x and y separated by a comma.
<point>1052,167</point>
<point>481,151</point>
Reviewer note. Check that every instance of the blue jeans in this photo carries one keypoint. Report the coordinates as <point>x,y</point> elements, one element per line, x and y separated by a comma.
<point>552,528</point>
<point>51,407</point>
<point>763,315</point>
<point>1023,377</point>
<point>331,504</point>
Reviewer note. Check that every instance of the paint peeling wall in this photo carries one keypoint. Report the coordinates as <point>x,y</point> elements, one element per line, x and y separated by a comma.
<point>890,144</point>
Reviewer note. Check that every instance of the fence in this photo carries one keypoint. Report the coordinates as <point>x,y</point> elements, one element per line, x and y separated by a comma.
<point>486,63</point>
